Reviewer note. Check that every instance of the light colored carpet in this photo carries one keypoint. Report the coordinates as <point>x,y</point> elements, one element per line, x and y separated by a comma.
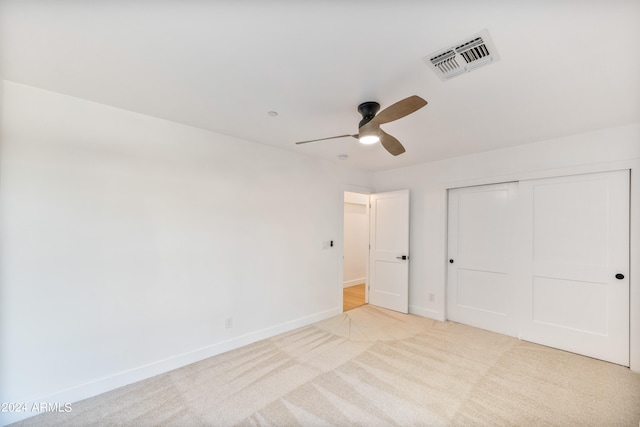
<point>374,367</point>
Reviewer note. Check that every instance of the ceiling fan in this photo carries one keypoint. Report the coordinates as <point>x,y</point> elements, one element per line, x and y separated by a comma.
<point>369,131</point>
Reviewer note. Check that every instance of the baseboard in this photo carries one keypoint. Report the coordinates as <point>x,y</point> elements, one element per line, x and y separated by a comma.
<point>354,282</point>
<point>425,312</point>
<point>121,379</point>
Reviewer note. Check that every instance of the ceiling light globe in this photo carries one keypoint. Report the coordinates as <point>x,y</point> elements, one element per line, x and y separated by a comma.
<point>369,139</point>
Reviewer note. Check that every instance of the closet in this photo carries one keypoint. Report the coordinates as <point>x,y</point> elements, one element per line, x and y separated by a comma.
<point>545,260</point>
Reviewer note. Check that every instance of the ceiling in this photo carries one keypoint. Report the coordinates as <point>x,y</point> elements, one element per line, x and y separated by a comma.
<point>565,67</point>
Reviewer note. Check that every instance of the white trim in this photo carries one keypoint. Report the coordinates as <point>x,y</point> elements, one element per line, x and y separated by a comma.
<point>354,282</point>
<point>111,382</point>
<point>544,173</point>
<point>634,269</point>
<point>425,312</point>
<point>354,189</point>
<point>356,198</point>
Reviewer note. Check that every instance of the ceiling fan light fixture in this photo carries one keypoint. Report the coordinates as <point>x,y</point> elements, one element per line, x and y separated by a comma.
<point>369,139</point>
<point>369,131</point>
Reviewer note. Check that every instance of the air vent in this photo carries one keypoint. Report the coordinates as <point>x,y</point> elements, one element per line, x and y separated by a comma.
<point>463,57</point>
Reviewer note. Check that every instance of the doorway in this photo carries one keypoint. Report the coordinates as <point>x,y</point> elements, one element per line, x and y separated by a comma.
<point>376,247</point>
<point>355,250</point>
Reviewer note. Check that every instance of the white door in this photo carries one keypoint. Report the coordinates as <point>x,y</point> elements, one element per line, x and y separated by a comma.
<point>481,289</point>
<point>575,242</point>
<point>389,253</point>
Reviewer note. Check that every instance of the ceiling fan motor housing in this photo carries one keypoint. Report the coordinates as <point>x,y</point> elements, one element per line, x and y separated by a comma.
<point>368,111</point>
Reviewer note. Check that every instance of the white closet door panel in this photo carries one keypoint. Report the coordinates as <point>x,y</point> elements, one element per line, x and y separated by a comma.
<point>576,239</point>
<point>480,287</point>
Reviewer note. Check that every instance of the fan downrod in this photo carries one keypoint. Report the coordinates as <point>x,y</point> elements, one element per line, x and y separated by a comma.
<point>368,111</point>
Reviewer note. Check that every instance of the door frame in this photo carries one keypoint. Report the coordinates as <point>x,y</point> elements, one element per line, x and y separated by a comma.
<point>351,189</point>
<point>344,229</point>
<point>633,165</point>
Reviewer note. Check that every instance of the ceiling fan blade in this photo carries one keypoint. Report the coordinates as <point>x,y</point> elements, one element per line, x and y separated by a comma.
<point>324,139</point>
<point>399,109</point>
<point>390,143</point>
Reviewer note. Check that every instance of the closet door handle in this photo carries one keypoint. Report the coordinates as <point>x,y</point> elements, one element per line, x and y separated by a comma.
<point>619,276</point>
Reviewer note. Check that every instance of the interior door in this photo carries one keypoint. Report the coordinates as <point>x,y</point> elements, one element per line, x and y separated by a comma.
<point>389,253</point>
<point>481,289</point>
<point>575,289</point>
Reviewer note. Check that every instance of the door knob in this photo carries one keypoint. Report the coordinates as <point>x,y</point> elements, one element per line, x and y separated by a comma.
<point>401,257</point>
<point>451,261</point>
<point>619,276</point>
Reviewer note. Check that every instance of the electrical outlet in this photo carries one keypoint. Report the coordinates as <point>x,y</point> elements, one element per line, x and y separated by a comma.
<point>432,298</point>
<point>228,322</point>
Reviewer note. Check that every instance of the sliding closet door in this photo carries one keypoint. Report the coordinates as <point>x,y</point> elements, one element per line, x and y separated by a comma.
<point>481,289</point>
<point>575,283</point>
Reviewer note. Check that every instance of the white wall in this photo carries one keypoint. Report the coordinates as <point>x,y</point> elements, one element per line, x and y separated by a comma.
<point>356,238</point>
<point>128,240</point>
<point>610,149</point>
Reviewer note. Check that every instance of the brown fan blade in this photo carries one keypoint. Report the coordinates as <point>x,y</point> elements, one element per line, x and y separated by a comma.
<point>324,139</point>
<point>369,129</point>
<point>391,144</point>
<point>399,109</point>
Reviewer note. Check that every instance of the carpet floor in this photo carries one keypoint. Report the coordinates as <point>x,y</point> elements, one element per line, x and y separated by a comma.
<point>373,367</point>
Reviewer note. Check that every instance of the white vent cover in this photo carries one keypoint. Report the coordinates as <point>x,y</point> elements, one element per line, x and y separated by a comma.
<point>463,57</point>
